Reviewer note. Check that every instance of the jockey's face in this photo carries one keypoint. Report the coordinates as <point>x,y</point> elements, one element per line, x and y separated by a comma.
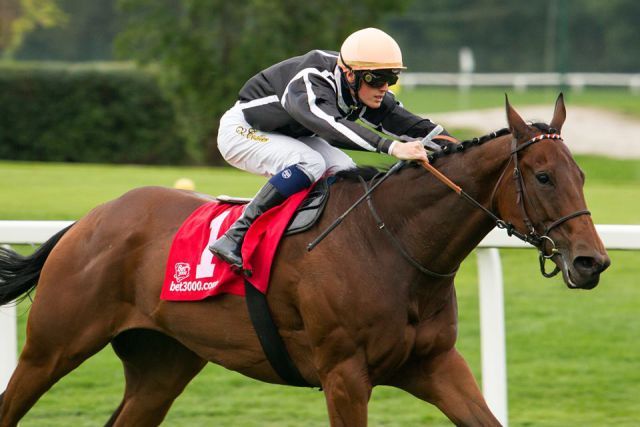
<point>370,96</point>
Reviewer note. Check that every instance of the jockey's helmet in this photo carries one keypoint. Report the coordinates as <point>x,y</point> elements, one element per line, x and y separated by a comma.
<point>371,49</point>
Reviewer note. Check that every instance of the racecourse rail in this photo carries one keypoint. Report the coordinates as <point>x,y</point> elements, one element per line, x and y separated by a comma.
<point>522,81</point>
<point>492,329</point>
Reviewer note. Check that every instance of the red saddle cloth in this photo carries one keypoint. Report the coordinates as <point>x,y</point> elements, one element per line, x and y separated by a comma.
<point>193,273</point>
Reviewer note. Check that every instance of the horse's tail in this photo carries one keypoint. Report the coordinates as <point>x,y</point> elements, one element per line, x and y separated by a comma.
<point>19,274</point>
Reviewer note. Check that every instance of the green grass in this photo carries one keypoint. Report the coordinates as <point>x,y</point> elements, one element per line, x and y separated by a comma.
<point>572,355</point>
<point>68,191</point>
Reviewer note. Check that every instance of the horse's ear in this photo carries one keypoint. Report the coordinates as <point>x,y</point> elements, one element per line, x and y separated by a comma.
<point>559,114</point>
<point>517,126</point>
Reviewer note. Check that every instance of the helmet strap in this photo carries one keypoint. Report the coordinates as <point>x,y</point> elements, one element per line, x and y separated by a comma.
<point>355,86</point>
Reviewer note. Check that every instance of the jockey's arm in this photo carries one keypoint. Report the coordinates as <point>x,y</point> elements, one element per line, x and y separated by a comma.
<point>396,121</point>
<point>311,102</point>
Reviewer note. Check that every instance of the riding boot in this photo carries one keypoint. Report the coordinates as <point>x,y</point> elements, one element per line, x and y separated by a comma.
<point>228,247</point>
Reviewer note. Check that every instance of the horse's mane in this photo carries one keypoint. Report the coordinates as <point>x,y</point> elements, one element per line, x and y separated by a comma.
<point>369,172</point>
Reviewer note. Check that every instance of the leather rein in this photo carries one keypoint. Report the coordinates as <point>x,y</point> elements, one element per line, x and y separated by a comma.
<point>532,237</point>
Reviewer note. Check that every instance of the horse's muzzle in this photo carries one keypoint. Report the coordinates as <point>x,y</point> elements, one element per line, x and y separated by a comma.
<point>584,271</point>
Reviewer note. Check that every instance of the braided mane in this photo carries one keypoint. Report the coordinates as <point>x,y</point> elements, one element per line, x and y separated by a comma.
<point>368,172</point>
<point>451,148</point>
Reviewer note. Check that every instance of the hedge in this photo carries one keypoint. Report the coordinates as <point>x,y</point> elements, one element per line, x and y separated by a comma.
<point>86,114</point>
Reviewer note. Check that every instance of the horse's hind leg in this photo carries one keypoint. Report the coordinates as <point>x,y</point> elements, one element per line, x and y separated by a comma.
<point>157,369</point>
<point>50,352</point>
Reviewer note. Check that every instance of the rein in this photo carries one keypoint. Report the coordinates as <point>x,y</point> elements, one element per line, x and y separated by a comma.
<point>532,237</point>
<point>396,242</point>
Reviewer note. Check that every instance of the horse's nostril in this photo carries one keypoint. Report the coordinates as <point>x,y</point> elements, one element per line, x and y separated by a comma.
<point>590,265</point>
<point>584,263</point>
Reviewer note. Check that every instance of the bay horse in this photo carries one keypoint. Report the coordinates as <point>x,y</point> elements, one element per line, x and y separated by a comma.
<point>354,313</point>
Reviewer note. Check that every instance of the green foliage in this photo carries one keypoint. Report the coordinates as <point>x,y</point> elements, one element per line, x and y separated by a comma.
<point>85,115</point>
<point>506,35</point>
<point>521,36</point>
<point>206,49</point>
<point>22,17</point>
<point>87,36</point>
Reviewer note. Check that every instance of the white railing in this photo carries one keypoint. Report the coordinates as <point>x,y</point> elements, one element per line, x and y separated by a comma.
<point>521,81</point>
<point>492,329</point>
<point>18,232</point>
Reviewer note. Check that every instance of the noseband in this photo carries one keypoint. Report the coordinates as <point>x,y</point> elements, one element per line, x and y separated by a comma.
<point>533,237</point>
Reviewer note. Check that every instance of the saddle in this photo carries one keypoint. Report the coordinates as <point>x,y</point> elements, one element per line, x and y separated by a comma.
<point>307,213</point>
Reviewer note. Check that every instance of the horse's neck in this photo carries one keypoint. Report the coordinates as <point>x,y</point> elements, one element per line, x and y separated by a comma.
<point>437,225</point>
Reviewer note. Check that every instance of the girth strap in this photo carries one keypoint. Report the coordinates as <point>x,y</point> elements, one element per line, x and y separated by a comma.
<point>270,340</point>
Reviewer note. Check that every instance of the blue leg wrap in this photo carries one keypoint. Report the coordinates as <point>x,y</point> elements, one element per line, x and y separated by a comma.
<point>290,180</point>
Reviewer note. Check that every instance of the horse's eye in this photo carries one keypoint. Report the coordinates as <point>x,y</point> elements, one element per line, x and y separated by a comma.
<point>543,178</point>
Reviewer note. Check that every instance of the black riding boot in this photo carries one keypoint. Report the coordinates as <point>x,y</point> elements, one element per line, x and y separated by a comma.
<point>228,247</point>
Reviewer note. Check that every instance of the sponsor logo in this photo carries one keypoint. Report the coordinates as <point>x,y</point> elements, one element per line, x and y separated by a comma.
<point>192,286</point>
<point>251,133</point>
<point>182,270</point>
<point>286,174</point>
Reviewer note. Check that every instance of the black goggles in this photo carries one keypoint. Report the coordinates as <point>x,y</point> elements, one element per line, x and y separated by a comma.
<point>378,79</point>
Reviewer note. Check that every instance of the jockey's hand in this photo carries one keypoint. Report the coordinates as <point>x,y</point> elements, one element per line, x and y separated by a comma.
<point>412,150</point>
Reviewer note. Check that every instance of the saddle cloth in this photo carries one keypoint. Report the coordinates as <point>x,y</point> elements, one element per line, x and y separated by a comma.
<point>193,273</point>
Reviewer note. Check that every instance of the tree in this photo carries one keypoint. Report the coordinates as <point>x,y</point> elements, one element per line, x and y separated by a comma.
<point>524,36</point>
<point>204,50</point>
<point>88,35</point>
<point>20,17</point>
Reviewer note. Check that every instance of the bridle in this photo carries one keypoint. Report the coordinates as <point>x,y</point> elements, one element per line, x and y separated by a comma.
<point>532,237</point>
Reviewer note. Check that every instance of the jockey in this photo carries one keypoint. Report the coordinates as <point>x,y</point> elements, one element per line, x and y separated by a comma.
<point>290,118</point>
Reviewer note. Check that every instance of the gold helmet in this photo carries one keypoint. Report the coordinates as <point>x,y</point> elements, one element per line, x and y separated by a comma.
<point>371,49</point>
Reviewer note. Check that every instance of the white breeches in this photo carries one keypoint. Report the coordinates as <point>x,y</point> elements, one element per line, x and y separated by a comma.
<point>267,153</point>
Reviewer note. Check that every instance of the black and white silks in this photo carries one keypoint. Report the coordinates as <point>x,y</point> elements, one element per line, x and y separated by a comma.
<point>308,95</point>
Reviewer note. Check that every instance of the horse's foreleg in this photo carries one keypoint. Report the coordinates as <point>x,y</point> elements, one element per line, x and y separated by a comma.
<point>157,369</point>
<point>347,390</point>
<point>447,382</point>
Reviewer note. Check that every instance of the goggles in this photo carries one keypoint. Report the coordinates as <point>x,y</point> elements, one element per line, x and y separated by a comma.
<point>379,79</point>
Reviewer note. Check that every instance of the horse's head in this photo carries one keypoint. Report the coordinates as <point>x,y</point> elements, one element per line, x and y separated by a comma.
<point>543,199</point>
